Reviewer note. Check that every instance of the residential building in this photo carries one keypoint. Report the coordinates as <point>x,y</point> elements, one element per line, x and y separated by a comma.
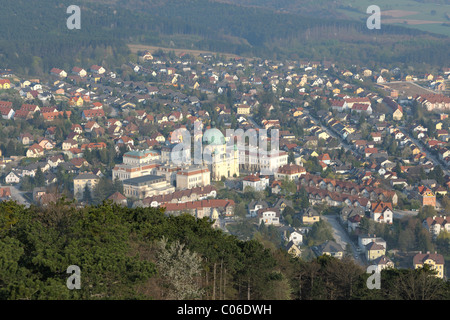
<point>146,186</point>
<point>12,178</point>
<point>211,208</point>
<point>382,212</point>
<point>332,249</point>
<point>255,205</point>
<point>256,182</point>
<point>382,262</point>
<point>310,216</point>
<point>426,196</point>
<point>364,240</point>
<point>434,260</point>
<point>374,251</point>
<point>270,216</point>
<point>290,172</point>
<point>293,249</point>
<point>436,224</point>
<point>179,196</point>
<point>81,181</point>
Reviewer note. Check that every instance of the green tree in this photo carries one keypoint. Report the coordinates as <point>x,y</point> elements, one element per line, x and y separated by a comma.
<point>39,178</point>
<point>87,195</point>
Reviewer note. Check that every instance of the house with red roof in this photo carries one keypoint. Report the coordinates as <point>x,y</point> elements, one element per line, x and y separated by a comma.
<point>6,111</point>
<point>255,181</point>
<point>382,212</point>
<point>434,260</point>
<point>91,114</point>
<point>58,72</point>
<point>118,198</point>
<point>426,196</point>
<point>290,171</point>
<point>97,69</point>
<point>360,107</point>
<point>91,125</point>
<point>325,158</point>
<point>79,72</point>
<point>35,151</point>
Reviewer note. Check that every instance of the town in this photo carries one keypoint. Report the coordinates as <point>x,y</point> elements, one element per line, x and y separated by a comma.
<point>362,168</point>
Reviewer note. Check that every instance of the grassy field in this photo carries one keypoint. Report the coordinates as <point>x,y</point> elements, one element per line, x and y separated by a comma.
<point>424,16</point>
<point>408,88</point>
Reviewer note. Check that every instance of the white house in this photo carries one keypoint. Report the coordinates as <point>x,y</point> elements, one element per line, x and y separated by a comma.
<point>257,182</point>
<point>255,205</point>
<point>296,237</point>
<point>364,240</point>
<point>269,216</point>
<point>12,178</point>
<point>6,112</point>
<point>382,212</point>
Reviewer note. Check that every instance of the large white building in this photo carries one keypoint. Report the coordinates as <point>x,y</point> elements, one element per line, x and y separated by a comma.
<point>146,186</point>
<point>267,164</point>
<point>128,171</point>
<point>193,176</point>
<point>140,157</point>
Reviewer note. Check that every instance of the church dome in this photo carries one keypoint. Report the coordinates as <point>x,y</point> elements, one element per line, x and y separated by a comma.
<point>214,137</point>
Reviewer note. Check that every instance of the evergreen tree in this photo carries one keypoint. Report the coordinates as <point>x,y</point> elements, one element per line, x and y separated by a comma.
<point>39,178</point>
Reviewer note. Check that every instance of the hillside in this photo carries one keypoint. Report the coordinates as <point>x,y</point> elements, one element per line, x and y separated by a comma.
<point>37,38</point>
<point>143,254</point>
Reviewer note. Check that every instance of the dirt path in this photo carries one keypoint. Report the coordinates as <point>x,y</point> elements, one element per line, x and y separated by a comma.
<point>139,47</point>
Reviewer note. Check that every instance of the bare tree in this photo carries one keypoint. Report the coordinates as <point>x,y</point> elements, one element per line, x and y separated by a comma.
<point>179,269</point>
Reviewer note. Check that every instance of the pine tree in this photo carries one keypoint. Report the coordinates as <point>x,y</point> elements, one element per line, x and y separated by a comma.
<point>39,178</point>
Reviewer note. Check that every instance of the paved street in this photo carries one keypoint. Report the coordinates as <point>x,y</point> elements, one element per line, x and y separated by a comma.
<point>341,236</point>
<point>428,154</point>
<point>16,195</point>
<point>398,214</point>
<point>342,142</point>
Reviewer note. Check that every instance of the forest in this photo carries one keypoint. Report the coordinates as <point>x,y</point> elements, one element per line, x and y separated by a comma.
<point>144,254</point>
<point>35,38</point>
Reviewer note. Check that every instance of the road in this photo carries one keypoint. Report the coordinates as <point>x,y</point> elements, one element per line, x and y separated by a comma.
<point>342,142</point>
<point>398,214</point>
<point>342,238</point>
<point>253,122</point>
<point>428,154</point>
<point>16,195</point>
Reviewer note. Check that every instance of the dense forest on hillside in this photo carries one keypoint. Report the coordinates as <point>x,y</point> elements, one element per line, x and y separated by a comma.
<point>35,38</point>
<point>143,254</point>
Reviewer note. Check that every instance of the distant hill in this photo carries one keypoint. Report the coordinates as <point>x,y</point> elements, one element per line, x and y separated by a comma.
<point>35,37</point>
